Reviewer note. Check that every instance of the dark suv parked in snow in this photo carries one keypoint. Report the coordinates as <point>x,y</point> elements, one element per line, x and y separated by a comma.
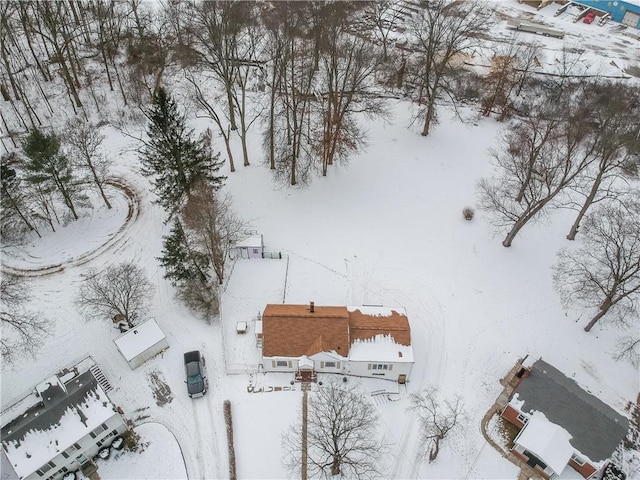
<point>196,376</point>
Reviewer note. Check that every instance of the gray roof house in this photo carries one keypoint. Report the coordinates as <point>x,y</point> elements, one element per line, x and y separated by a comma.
<point>562,424</point>
<point>61,424</point>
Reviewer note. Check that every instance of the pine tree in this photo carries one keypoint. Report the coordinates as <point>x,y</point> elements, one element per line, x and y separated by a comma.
<point>12,205</point>
<point>47,168</point>
<point>180,261</point>
<point>173,157</point>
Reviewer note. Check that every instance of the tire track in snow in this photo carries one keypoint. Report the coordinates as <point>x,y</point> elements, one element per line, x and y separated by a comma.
<point>426,317</point>
<point>133,201</point>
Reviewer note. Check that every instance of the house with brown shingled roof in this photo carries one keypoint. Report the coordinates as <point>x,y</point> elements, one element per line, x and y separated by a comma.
<point>366,341</point>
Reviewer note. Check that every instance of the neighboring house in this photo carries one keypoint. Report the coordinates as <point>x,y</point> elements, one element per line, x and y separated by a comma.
<point>61,425</point>
<point>141,343</point>
<point>561,424</point>
<point>250,247</point>
<point>366,341</point>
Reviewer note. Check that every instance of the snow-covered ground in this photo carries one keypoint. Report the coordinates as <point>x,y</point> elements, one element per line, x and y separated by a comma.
<point>388,229</point>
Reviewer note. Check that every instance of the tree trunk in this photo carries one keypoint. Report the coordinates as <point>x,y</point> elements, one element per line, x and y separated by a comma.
<point>115,69</point>
<point>99,184</point>
<point>435,449</point>
<point>4,122</point>
<point>335,465</point>
<point>604,308</point>
<point>428,118</point>
<point>228,146</point>
<point>243,129</point>
<point>7,67</point>
<point>232,113</point>
<point>67,197</point>
<point>400,73</point>
<point>67,76</point>
<point>17,209</point>
<point>587,203</point>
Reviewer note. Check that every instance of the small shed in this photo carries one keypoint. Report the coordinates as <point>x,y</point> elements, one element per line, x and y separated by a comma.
<point>250,247</point>
<point>141,343</point>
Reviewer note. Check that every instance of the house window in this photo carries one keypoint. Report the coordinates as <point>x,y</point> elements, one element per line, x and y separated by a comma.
<point>578,460</point>
<point>522,418</point>
<point>255,250</point>
<point>45,468</point>
<point>97,431</point>
<point>380,366</point>
<point>329,364</point>
<point>281,363</point>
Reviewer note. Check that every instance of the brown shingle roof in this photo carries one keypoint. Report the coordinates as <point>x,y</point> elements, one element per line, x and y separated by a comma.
<point>363,326</point>
<point>293,331</point>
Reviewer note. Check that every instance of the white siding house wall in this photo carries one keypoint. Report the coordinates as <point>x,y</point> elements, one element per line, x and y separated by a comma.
<point>89,448</point>
<point>280,364</point>
<point>251,247</point>
<point>149,353</point>
<point>328,363</point>
<point>379,369</point>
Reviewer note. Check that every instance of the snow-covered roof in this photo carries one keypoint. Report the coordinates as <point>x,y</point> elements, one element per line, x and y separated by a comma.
<point>377,310</point>
<point>381,348</point>
<point>250,241</point>
<point>595,427</point>
<point>305,361</point>
<point>52,426</point>
<point>139,339</point>
<point>548,441</point>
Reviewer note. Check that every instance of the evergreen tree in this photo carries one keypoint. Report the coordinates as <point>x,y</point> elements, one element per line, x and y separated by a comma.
<point>181,263</point>
<point>14,214</point>
<point>47,168</point>
<point>173,157</point>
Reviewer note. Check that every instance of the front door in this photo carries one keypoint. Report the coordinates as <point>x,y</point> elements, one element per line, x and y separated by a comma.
<point>306,376</point>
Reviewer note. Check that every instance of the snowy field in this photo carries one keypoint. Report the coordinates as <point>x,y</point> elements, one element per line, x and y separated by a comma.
<point>386,229</point>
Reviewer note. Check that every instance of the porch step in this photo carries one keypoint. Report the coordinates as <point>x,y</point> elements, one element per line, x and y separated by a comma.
<point>101,378</point>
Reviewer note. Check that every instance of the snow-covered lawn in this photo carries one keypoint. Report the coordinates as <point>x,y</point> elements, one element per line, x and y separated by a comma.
<point>388,229</point>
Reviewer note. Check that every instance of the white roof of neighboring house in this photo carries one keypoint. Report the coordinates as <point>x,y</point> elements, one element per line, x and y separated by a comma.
<point>548,441</point>
<point>381,348</point>
<point>139,339</point>
<point>251,241</point>
<point>51,430</point>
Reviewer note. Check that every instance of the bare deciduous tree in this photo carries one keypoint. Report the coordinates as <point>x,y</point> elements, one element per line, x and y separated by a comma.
<point>23,330</point>
<point>614,109</point>
<point>342,437</point>
<point>510,69</point>
<point>438,418</point>
<point>443,31</point>
<point>538,160</point>
<point>85,140</point>
<point>212,226</point>
<point>118,290</point>
<point>605,272</point>
<point>347,63</point>
<point>628,349</point>
<point>384,16</point>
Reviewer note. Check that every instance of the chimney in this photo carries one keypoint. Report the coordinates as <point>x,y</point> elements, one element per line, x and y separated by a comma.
<point>311,307</point>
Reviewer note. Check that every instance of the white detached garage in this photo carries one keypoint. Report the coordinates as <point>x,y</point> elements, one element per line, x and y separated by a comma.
<point>141,343</point>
